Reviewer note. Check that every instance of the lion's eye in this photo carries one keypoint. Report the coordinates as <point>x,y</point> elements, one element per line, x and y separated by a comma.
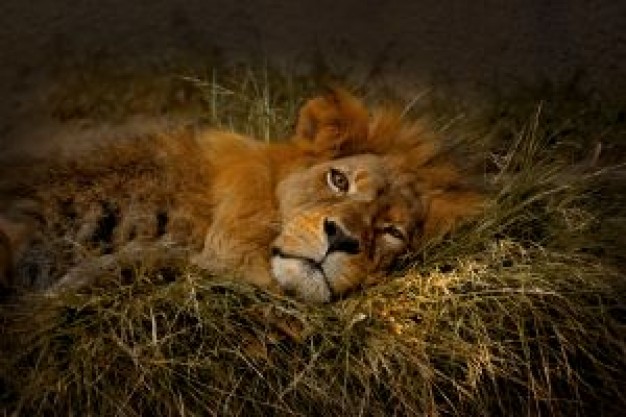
<point>394,232</point>
<point>337,181</point>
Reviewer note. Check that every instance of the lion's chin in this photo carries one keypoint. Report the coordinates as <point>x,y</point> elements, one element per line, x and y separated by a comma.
<point>301,278</point>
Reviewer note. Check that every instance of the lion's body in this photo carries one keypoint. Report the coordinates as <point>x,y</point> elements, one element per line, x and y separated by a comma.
<point>317,216</point>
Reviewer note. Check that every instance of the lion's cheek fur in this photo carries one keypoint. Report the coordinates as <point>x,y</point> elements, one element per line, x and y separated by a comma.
<point>345,272</point>
<point>301,236</point>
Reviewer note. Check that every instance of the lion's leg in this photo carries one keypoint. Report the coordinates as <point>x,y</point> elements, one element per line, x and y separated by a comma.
<point>225,254</point>
<point>136,255</point>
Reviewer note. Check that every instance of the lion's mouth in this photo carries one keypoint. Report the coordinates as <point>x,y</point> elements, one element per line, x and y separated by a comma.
<point>290,268</point>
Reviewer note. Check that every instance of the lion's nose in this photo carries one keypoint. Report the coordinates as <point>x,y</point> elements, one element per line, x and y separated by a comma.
<point>338,239</point>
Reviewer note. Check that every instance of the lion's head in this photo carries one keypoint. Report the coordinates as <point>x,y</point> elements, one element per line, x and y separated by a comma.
<point>386,189</point>
<point>344,221</point>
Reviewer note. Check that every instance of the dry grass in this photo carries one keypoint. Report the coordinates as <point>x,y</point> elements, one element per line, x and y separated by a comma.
<point>520,313</point>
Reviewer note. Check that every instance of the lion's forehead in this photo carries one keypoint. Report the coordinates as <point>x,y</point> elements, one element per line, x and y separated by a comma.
<point>377,190</point>
<point>377,193</point>
<point>389,207</point>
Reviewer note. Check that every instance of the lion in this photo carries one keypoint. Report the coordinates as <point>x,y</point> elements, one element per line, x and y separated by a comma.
<point>328,211</point>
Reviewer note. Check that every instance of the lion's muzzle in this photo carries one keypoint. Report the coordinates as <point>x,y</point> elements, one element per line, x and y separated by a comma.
<point>309,261</point>
<point>339,240</point>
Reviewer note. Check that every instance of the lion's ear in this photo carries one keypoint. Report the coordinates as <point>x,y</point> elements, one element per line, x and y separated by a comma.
<point>445,211</point>
<point>335,121</point>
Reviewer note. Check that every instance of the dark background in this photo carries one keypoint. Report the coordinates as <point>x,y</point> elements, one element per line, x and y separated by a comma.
<point>468,45</point>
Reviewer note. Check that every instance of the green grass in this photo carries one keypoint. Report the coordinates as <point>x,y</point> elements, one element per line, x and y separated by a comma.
<point>522,312</point>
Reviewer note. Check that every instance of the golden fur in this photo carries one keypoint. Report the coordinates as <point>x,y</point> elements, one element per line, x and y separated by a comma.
<point>316,216</point>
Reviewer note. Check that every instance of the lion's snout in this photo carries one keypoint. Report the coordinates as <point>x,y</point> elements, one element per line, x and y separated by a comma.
<point>315,257</point>
<point>315,240</point>
<point>339,239</point>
